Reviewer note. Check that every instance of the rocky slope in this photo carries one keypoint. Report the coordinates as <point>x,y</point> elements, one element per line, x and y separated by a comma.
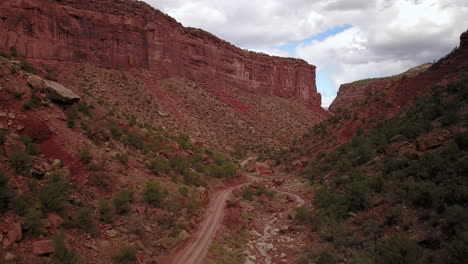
<point>130,34</point>
<point>184,79</point>
<point>389,169</point>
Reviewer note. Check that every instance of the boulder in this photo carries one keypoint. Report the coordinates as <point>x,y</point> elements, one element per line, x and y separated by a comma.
<point>43,247</point>
<point>36,82</point>
<point>55,220</point>
<point>59,93</point>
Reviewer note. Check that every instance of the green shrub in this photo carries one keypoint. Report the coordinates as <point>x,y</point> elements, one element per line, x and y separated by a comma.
<point>154,194</point>
<point>159,165</point>
<point>398,250</point>
<point>184,191</point>
<point>5,55</point>
<point>72,116</point>
<point>5,191</point>
<point>301,214</point>
<point>248,193</point>
<point>84,220</point>
<point>3,134</point>
<point>326,257</point>
<point>193,178</point>
<point>359,196</point>
<point>21,162</point>
<point>13,52</point>
<point>54,193</point>
<point>85,155</point>
<point>31,103</point>
<point>180,163</point>
<point>462,140</point>
<point>424,194</point>
<point>122,202</point>
<point>27,67</point>
<point>61,254</point>
<point>31,147</point>
<point>126,254</point>
<point>33,221</point>
<point>85,109</point>
<point>122,158</point>
<point>106,212</point>
<point>225,170</point>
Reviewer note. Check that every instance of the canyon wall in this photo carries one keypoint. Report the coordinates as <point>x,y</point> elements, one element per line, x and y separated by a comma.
<point>127,34</point>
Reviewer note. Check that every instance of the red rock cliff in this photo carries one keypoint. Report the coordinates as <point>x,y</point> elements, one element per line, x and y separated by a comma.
<point>129,34</point>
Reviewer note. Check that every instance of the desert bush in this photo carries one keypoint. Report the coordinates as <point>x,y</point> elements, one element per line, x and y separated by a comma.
<point>184,191</point>
<point>224,170</point>
<point>27,67</point>
<point>21,162</point>
<point>85,155</point>
<point>13,52</point>
<point>32,102</point>
<point>122,201</point>
<point>5,191</point>
<point>326,257</point>
<point>154,194</point>
<point>159,165</point>
<point>125,254</point>
<point>3,134</point>
<point>72,116</point>
<point>31,147</point>
<point>302,214</point>
<point>85,109</point>
<point>61,254</point>
<point>122,158</point>
<point>359,196</point>
<point>399,250</point>
<point>106,211</point>
<point>423,194</point>
<point>84,219</point>
<point>33,221</point>
<point>180,163</point>
<point>193,178</point>
<point>54,193</point>
<point>248,193</point>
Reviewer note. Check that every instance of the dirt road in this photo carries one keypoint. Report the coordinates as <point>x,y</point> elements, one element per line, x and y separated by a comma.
<point>196,248</point>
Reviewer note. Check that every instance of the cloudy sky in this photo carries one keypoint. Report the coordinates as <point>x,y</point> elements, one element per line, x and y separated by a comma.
<point>347,40</point>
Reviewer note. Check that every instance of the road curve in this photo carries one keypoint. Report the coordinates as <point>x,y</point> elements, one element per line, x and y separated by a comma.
<point>196,248</point>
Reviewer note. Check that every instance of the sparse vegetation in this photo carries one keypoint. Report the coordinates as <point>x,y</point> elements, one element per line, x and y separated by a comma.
<point>122,201</point>
<point>154,194</point>
<point>61,254</point>
<point>21,162</point>
<point>5,191</point>
<point>106,211</point>
<point>159,165</point>
<point>27,67</point>
<point>125,254</point>
<point>54,194</point>
<point>84,219</point>
<point>350,179</point>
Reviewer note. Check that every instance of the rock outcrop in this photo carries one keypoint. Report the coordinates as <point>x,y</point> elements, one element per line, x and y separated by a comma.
<point>128,34</point>
<point>360,92</point>
<point>59,93</point>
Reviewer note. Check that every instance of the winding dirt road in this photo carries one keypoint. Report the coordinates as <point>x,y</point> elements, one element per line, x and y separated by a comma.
<point>196,248</point>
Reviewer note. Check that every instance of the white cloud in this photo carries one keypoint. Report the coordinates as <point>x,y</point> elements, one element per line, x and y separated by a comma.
<point>387,36</point>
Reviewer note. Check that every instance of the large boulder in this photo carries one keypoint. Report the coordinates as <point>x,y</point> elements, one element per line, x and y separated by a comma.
<point>43,247</point>
<point>36,82</point>
<point>59,93</point>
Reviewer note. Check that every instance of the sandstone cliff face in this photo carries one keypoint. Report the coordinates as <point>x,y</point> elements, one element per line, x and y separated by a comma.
<point>127,34</point>
<point>350,95</point>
